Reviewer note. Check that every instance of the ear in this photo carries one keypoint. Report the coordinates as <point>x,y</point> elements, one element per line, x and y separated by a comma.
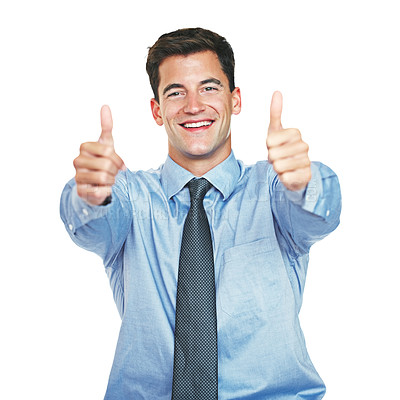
<point>156,111</point>
<point>236,101</point>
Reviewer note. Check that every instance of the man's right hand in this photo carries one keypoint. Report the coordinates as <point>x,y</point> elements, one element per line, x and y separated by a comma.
<point>98,164</point>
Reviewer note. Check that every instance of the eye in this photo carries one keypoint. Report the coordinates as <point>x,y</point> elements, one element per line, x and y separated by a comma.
<point>174,94</point>
<point>209,89</point>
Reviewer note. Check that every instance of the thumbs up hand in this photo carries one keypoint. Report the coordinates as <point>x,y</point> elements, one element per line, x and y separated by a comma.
<point>98,164</point>
<point>287,152</point>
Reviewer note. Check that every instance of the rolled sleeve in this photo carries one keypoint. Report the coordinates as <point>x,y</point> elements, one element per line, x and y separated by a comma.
<point>75,212</point>
<point>101,229</point>
<point>311,214</point>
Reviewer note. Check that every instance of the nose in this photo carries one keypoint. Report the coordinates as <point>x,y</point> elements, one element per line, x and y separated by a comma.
<point>194,104</point>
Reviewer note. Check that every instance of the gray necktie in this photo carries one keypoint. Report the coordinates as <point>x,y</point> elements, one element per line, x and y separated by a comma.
<point>195,375</point>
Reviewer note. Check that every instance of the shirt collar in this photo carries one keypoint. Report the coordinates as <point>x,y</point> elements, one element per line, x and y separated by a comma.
<point>223,177</point>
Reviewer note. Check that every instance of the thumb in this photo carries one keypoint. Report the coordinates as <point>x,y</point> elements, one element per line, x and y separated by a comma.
<point>275,123</point>
<point>106,126</point>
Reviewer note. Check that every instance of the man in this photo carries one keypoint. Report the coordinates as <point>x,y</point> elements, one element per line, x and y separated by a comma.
<point>262,219</point>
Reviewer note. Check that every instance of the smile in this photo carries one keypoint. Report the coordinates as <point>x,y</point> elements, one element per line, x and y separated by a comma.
<point>198,124</point>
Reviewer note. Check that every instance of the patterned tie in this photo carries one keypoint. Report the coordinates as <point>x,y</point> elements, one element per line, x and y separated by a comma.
<point>195,375</point>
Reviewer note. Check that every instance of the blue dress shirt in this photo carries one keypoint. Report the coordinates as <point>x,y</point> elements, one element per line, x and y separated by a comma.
<point>262,234</point>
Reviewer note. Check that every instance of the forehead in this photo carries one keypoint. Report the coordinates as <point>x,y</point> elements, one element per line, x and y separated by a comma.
<point>193,67</point>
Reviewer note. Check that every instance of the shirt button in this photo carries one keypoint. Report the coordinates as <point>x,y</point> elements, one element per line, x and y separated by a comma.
<point>71,227</point>
<point>85,212</point>
<point>327,213</point>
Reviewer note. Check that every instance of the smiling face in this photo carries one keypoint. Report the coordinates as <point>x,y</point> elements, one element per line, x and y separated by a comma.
<point>196,106</point>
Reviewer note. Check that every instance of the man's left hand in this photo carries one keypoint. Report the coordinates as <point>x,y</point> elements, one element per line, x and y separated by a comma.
<point>287,152</point>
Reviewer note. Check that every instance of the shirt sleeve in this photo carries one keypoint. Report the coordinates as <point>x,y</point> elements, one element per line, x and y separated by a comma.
<point>306,216</point>
<point>100,229</point>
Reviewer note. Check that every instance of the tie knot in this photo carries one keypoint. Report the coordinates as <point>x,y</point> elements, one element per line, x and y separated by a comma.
<point>198,188</point>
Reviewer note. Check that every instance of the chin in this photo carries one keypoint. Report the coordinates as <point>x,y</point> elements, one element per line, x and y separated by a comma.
<point>204,152</point>
<point>199,154</point>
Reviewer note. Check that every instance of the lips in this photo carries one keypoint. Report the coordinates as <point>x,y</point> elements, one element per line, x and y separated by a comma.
<point>197,125</point>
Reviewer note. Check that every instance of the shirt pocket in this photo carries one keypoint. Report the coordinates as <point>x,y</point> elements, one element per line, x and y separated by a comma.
<point>251,278</point>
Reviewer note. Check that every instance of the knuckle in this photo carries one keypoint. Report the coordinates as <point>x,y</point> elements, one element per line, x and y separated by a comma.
<point>109,166</point>
<point>295,133</point>
<point>76,162</point>
<point>278,167</point>
<point>81,190</point>
<point>97,194</point>
<point>284,178</point>
<point>108,151</point>
<point>271,155</point>
<point>83,147</point>
<point>103,178</point>
<point>119,161</point>
<point>305,160</point>
<point>308,175</point>
<point>302,147</point>
<point>78,179</point>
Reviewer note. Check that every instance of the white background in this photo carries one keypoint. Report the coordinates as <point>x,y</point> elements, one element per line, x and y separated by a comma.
<point>337,65</point>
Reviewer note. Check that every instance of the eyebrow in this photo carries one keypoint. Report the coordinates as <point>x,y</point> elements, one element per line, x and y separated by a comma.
<point>172,86</point>
<point>212,80</point>
<point>180,86</point>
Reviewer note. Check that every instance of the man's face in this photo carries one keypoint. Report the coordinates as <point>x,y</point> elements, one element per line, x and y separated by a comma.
<point>196,107</point>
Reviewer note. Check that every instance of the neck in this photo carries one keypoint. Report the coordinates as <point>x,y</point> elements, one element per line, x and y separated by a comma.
<point>198,166</point>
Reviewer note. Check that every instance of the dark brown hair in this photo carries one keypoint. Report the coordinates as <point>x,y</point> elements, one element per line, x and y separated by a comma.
<point>188,41</point>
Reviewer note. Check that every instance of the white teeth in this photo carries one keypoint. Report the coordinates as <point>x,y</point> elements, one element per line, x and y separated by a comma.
<point>198,124</point>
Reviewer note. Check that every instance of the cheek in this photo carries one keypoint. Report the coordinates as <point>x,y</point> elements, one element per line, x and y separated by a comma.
<point>169,114</point>
<point>224,106</point>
